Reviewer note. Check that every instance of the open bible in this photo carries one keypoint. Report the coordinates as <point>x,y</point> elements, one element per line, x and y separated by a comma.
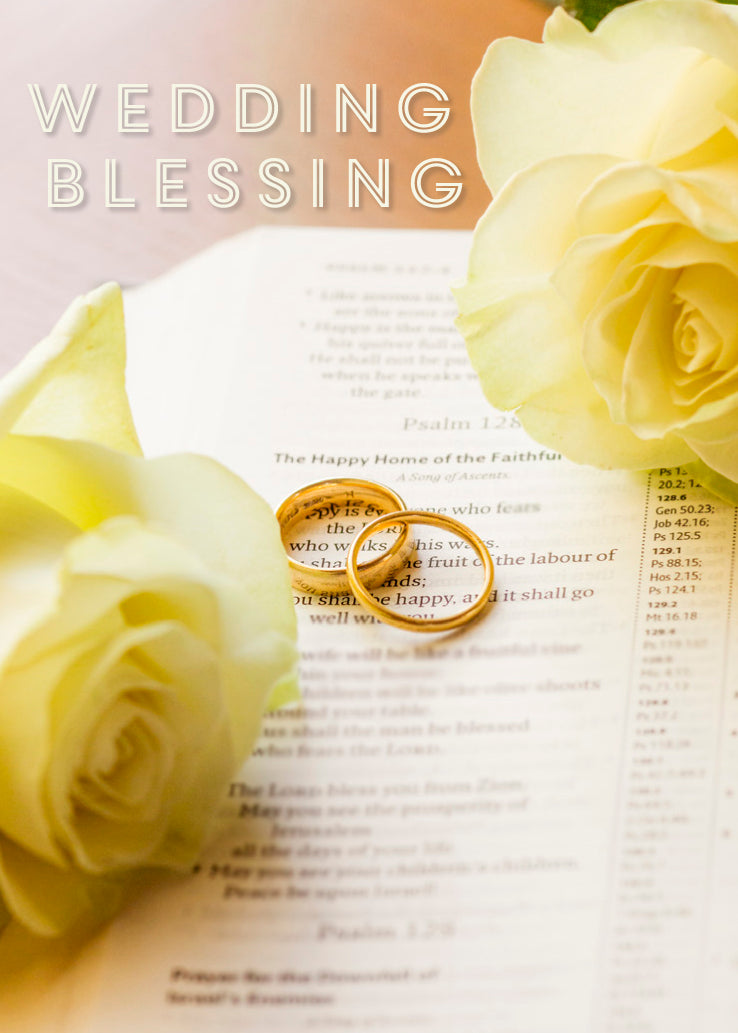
<point>528,826</point>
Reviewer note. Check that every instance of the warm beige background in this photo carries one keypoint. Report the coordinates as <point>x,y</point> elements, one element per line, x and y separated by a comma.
<point>48,256</point>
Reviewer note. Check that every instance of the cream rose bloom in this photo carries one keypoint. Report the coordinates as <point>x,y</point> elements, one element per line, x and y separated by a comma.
<point>146,621</point>
<point>602,294</point>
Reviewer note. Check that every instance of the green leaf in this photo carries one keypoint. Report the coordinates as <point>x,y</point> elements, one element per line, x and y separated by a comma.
<point>591,12</point>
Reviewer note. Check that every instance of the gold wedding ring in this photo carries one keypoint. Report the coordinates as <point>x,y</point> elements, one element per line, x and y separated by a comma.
<point>334,498</point>
<point>360,587</point>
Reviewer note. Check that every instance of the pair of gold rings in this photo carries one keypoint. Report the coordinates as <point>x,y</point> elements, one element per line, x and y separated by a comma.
<point>335,498</point>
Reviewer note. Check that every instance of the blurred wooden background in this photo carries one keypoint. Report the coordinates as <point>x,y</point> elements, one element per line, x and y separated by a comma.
<point>50,255</point>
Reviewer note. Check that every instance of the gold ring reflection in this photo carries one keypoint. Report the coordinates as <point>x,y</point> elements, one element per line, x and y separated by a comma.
<point>325,499</point>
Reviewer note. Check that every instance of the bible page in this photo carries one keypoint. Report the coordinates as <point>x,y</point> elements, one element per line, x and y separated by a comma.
<point>526,826</point>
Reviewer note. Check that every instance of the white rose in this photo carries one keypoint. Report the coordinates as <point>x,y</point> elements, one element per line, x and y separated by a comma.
<point>602,295</point>
<point>146,620</point>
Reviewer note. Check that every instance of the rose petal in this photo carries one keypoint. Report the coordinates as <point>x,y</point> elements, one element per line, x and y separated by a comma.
<point>46,898</point>
<point>630,196</point>
<point>576,93</point>
<point>695,113</point>
<point>33,538</point>
<point>120,574</point>
<point>507,297</point>
<point>714,482</point>
<point>507,375</point>
<point>720,430</point>
<point>609,332</point>
<point>522,235</point>
<point>83,358</point>
<point>25,732</point>
<point>712,185</point>
<point>669,24</point>
<point>720,456</point>
<point>572,418</point>
<point>647,403</point>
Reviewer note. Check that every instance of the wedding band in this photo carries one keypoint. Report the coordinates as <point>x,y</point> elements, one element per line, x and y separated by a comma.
<point>330,498</point>
<point>398,620</point>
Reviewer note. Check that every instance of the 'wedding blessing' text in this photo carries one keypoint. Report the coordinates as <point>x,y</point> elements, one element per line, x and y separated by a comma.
<point>435,182</point>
